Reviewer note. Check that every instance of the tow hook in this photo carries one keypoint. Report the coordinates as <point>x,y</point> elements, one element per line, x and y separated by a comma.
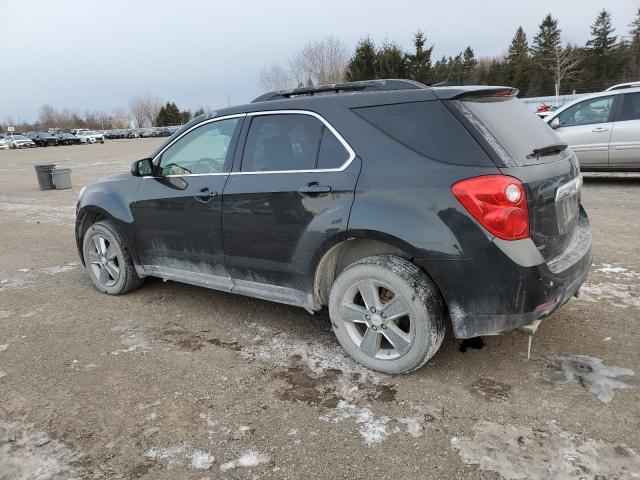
<point>530,330</point>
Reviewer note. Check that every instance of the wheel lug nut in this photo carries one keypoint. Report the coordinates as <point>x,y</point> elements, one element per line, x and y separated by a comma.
<point>374,328</point>
<point>384,315</point>
<point>373,310</point>
<point>384,327</point>
<point>367,317</point>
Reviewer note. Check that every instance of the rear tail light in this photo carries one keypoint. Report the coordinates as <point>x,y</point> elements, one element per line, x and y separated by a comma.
<point>498,202</point>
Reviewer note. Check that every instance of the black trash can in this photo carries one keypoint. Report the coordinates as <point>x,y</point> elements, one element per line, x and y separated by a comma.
<point>43,172</point>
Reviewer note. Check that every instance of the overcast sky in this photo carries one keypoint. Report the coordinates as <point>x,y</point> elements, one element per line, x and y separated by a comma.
<point>95,55</point>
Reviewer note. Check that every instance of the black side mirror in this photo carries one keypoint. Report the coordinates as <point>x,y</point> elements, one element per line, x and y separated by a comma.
<point>142,168</point>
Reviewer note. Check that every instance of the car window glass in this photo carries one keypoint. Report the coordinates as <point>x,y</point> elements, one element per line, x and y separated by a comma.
<point>281,142</point>
<point>630,107</point>
<point>332,153</point>
<point>203,150</point>
<point>596,110</point>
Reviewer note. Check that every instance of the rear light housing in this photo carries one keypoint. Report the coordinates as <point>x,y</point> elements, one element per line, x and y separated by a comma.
<point>497,202</point>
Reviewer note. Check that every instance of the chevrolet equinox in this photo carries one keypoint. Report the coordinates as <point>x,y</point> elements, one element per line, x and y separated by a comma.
<point>402,208</point>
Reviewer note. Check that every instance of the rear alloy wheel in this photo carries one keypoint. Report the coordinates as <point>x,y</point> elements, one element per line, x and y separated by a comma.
<point>108,261</point>
<point>387,314</point>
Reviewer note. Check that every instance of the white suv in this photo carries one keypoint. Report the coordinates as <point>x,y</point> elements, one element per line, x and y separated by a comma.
<point>88,136</point>
<point>602,129</point>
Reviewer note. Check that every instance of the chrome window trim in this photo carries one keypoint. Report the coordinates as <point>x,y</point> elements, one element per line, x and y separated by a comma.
<point>169,145</point>
<point>341,168</point>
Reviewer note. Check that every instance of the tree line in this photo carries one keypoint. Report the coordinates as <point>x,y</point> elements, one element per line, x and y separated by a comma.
<point>144,111</point>
<point>544,65</point>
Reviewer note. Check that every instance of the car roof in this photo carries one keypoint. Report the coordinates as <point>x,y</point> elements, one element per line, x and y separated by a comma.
<point>606,93</point>
<point>624,86</point>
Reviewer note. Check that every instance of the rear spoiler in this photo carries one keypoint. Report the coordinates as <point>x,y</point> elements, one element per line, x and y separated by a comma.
<point>461,93</point>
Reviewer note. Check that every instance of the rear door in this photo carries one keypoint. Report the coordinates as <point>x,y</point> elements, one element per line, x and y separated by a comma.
<point>291,191</point>
<point>586,127</point>
<point>177,212</point>
<point>624,149</point>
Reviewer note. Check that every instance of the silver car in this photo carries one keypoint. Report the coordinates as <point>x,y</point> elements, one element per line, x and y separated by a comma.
<point>602,129</point>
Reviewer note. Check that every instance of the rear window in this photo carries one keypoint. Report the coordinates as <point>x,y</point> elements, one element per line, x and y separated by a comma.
<point>516,128</point>
<point>428,128</point>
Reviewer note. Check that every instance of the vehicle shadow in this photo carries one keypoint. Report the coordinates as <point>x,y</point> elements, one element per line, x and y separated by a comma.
<point>608,179</point>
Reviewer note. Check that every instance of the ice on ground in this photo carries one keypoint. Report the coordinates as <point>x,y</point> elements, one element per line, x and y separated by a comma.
<point>247,460</point>
<point>617,271</point>
<point>374,429</point>
<point>590,372</point>
<point>132,339</point>
<point>37,209</point>
<point>60,268</point>
<point>6,313</point>
<point>617,294</point>
<point>28,276</point>
<point>28,454</point>
<point>183,456</point>
<point>3,347</point>
<point>520,452</point>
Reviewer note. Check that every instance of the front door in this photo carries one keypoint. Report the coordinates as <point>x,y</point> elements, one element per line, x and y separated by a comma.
<point>586,128</point>
<point>624,150</point>
<point>292,193</point>
<point>177,212</point>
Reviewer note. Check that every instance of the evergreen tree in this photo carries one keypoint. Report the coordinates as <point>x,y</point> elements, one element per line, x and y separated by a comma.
<point>362,65</point>
<point>633,50</point>
<point>603,55</point>
<point>419,63</point>
<point>185,117</point>
<point>391,61</point>
<point>309,82</point>
<point>168,115</point>
<point>543,52</point>
<point>518,62</point>
<point>198,112</point>
<point>468,63</point>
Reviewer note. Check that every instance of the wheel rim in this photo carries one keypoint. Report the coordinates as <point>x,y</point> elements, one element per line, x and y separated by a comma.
<point>377,319</point>
<point>103,260</point>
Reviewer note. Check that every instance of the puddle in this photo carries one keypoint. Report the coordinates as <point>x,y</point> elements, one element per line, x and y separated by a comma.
<point>596,377</point>
<point>619,295</point>
<point>28,454</point>
<point>491,390</point>
<point>520,452</point>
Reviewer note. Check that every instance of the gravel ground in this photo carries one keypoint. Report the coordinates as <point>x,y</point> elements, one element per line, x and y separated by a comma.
<point>174,381</point>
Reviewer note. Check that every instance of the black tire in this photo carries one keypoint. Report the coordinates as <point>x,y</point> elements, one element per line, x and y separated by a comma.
<point>421,330</point>
<point>128,279</point>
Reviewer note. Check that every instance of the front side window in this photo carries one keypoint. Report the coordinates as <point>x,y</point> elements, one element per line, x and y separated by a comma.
<point>279,142</point>
<point>596,110</point>
<point>630,107</point>
<point>203,150</point>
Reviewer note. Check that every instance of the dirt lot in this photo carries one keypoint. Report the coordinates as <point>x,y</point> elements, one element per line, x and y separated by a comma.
<point>174,381</point>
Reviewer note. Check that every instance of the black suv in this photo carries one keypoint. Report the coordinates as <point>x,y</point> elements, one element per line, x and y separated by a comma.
<point>402,208</point>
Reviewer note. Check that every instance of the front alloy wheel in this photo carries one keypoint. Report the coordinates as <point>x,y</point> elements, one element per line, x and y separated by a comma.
<point>103,261</point>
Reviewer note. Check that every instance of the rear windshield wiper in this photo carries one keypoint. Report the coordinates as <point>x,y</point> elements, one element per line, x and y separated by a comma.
<point>548,150</point>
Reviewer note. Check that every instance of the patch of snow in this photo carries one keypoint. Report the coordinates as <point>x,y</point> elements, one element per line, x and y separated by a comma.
<point>6,313</point>
<point>247,460</point>
<point>596,377</point>
<point>60,268</point>
<point>617,272</point>
<point>183,455</point>
<point>519,452</point>
<point>2,374</point>
<point>3,347</point>
<point>133,340</point>
<point>617,294</point>
<point>28,454</point>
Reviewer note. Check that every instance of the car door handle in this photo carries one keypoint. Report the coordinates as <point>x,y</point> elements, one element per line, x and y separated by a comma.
<point>600,129</point>
<point>205,195</point>
<point>314,188</point>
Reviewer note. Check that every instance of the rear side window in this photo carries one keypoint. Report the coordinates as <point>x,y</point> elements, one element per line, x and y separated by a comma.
<point>589,112</point>
<point>630,107</point>
<point>282,142</point>
<point>332,153</point>
<point>428,128</point>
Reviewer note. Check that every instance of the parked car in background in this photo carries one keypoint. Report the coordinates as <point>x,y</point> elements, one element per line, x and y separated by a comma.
<point>99,137</point>
<point>43,139</point>
<point>67,139</point>
<point>545,110</point>
<point>405,210</point>
<point>16,140</point>
<point>89,136</point>
<point>602,129</point>
<point>621,86</point>
<point>3,144</point>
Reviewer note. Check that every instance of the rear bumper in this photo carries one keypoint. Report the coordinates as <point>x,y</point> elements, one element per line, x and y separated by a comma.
<point>509,284</point>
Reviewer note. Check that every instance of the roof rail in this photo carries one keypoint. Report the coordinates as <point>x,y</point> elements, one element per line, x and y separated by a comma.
<point>367,85</point>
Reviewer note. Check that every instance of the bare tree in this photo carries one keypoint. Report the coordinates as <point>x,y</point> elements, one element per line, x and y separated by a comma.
<point>563,64</point>
<point>145,109</point>
<point>273,78</point>
<point>48,116</point>
<point>119,118</point>
<point>323,61</point>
